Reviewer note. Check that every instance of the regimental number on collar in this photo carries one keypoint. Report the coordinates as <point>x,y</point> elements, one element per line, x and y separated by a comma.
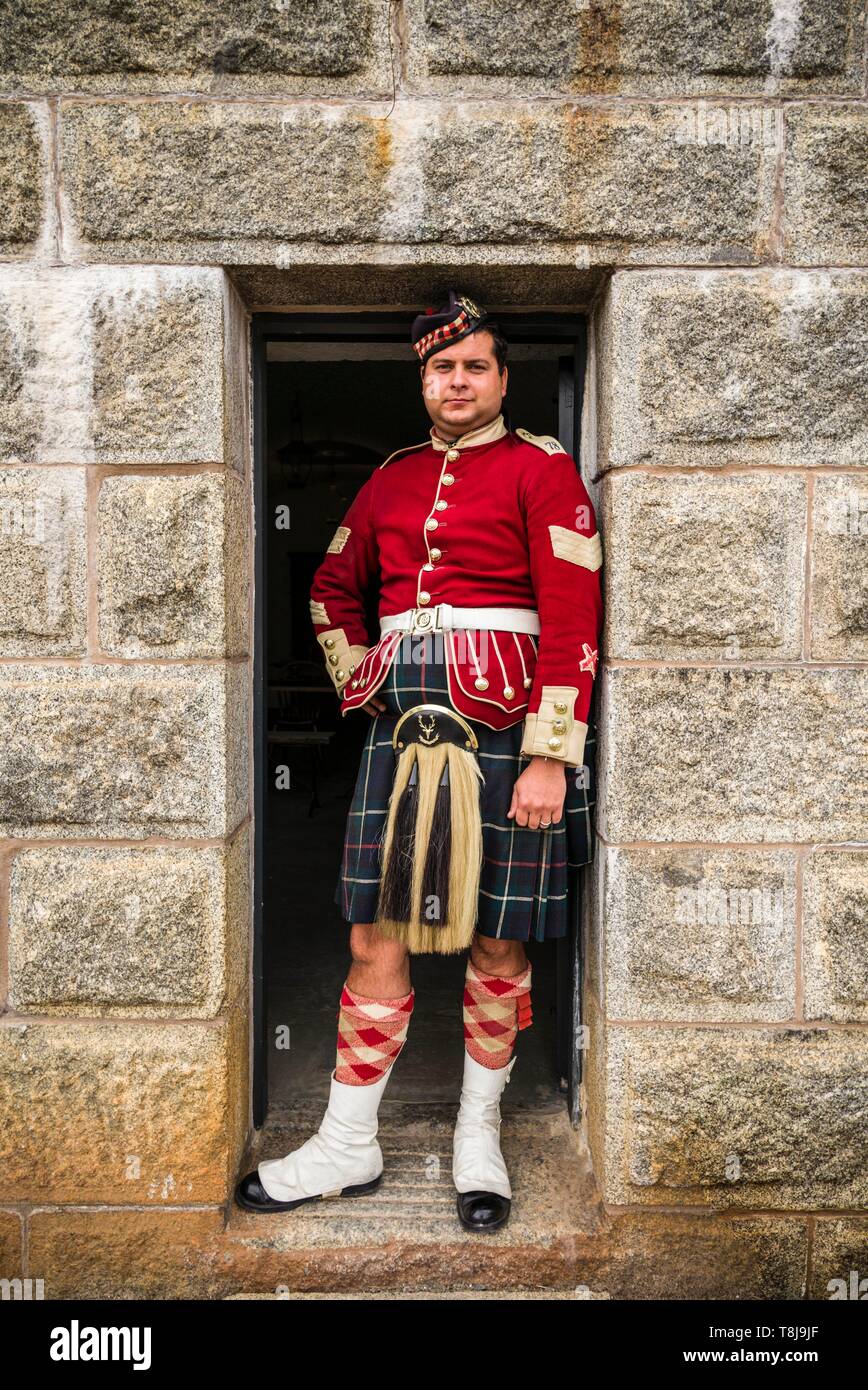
<point>547,442</point>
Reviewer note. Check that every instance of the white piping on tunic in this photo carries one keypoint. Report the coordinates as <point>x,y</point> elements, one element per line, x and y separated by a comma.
<point>500,659</point>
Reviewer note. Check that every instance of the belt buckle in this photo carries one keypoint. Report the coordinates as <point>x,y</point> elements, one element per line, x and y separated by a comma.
<point>424,619</point>
<point>436,619</point>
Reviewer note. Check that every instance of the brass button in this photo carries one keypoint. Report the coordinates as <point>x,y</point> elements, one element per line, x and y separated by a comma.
<point>560,707</point>
<point>431,524</point>
<point>424,597</point>
<point>447,480</point>
<point>340,675</point>
<point>352,668</point>
<point>354,684</point>
<point>559,726</point>
<point>554,743</point>
<point>527,682</point>
<point>334,659</point>
<point>452,455</point>
<point>508,692</point>
<point>435,553</point>
<point>329,641</point>
<point>428,566</point>
<point>441,505</point>
<point>481,683</point>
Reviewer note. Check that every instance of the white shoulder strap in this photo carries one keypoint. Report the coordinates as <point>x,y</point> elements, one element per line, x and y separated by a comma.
<point>546,442</point>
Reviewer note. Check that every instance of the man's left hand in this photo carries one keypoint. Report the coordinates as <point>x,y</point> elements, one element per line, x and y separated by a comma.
<point>539,793</point>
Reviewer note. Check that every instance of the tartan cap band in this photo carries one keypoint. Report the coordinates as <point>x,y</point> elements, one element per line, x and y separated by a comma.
<point>432,330</point>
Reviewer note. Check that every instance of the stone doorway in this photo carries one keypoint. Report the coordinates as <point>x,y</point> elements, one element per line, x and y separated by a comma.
<point>321,384</point>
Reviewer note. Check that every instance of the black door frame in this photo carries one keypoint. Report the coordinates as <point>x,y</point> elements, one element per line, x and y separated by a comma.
<point>390,328</point>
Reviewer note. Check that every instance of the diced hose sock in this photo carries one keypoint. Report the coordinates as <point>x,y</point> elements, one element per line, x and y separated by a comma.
<point>496,1008</point>
<point>371,1033</point>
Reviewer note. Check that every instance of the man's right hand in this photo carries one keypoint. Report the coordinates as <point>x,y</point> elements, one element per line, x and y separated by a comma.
<point>374,706</point>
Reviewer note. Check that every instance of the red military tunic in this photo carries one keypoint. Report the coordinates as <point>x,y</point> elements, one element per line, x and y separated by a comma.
<point>494,519</point>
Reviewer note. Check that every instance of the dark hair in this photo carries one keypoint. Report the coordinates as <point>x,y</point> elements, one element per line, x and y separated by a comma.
<point>501,346</point>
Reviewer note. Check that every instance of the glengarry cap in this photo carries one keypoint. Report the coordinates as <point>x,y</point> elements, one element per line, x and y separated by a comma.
<point>436,328</point>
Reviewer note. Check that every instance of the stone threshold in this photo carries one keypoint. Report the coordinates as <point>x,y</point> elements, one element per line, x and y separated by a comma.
<point>423,1295</point>
<point>405,1239</point>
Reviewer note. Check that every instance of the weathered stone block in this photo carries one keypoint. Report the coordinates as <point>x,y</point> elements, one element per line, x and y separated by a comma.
<point>121,1112</point>
<point>699,934</point>
<point>128,932</point>
<point>23,174</point>
<point>161,1254</point>
<point>826,185</point>
<point>734,367</point>
<point>839,1258</point>
<point>723,755</point>
<point>593,1040</point>
<point>835,952</point>
<point>237,414</point>
<point>723,557</point>
<point>736,1118</point>
<point>641,1254</point>
<point>666,46</point>
<point>203,45</point>
<point>238,182</point>
<point>43,600</point>
<point>11,1248</point>
<point>839,569</point>
<point>670,1255</point>
<point>173,567</point>
<point>110,365</point>
<point>123,751</point>
<point>211,174</point>
<point>548,277</point>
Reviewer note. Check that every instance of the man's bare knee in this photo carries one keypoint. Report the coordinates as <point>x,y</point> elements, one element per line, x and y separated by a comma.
<point>497,956</point>
<point>369,947</point>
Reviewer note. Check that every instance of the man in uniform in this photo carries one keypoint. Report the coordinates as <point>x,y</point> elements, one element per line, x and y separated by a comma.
<point>484,539</point>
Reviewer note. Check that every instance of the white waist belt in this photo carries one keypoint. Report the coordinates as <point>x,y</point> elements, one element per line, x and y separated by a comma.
<point>442,616</point>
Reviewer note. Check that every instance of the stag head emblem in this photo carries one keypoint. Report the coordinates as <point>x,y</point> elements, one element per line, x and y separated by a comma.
<point>428,727</point>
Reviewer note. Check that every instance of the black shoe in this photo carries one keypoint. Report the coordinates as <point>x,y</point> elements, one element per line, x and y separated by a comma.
<point>483,1211</point>
<point>251,1195</point>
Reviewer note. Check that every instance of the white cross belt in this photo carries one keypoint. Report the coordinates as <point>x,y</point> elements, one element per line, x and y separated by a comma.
<point>443,617</point>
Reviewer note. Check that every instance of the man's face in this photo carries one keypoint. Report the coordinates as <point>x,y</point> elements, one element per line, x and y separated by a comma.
<point>461,385</point>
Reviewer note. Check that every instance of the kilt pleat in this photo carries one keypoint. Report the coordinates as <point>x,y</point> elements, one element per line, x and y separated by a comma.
<point>524,887</point>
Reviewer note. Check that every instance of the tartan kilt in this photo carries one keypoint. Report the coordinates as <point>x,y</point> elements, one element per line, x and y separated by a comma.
<point>524,887</point>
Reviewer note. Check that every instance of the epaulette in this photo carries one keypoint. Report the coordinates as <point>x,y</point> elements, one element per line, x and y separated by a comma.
<point>546,442</point>
<point>404,451</point>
